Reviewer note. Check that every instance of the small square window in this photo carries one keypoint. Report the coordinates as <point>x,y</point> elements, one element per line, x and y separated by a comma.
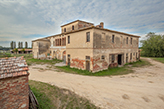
<point>88,57</point>
<point>102,57</point>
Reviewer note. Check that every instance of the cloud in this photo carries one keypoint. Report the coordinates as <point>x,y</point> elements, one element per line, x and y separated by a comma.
<point>26,20</point>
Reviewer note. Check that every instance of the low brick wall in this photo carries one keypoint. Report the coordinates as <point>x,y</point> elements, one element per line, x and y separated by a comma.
<point>14,93</point>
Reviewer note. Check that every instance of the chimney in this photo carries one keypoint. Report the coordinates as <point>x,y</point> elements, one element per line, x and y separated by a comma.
<point>102,24</point>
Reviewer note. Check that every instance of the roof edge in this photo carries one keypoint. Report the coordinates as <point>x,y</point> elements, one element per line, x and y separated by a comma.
<point>76,21</point>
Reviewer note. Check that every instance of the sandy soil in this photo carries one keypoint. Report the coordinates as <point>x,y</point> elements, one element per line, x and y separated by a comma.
<point>143,89</point>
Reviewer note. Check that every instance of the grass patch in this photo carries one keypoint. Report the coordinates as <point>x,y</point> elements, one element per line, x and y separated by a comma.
<point>30,60</point>
<point>126,69</point>
<point>52,97</point>
<point>38,61</point>
<point>139,63</point>
<point>108,72</point>
<point>159,59</point>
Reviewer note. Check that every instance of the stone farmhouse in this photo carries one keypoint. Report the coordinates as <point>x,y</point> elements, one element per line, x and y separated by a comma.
<point>85,46</point>
<point>14,88</point>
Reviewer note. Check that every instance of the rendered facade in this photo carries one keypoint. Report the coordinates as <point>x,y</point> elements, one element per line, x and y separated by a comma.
<point>85,46</point>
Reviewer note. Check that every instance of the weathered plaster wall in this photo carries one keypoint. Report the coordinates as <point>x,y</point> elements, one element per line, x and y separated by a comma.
<point>69,27</point>
<point>103,45</point>
<point>14,93</point>
<point>78,49</point>
<point>78,40</point>
<point>41,49</point>
<point>78,57</point>
<point>35,49</point>
<point>83,25</point>
<point>77,25</point>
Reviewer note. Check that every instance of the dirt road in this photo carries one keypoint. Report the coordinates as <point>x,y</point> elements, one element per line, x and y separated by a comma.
<point>143,89</point>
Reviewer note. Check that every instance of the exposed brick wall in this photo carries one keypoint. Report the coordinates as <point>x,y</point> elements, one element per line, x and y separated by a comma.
<point>77,63</point>
<point>113,65</point>
<point>14,93</point>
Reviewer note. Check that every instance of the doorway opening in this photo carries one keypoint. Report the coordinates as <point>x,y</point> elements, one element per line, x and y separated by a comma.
<point>88,65</point>
<point>119,59</point>
<point>68,60</point>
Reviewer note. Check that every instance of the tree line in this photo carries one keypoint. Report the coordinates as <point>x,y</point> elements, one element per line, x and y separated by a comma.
<point>153,46</point>
<point>20,45</point>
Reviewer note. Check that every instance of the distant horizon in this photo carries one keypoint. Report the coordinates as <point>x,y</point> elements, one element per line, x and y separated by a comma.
<point>29,20</point>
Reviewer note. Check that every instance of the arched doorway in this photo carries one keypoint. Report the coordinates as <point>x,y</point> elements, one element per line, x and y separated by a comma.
<point>64,56</point>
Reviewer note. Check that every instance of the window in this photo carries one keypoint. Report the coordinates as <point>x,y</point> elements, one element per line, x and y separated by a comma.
<point>113,58</point>
<point>127,40</point>
<point>88,36</point>
<point>87,57</point>
<point>63,41</point>
<point>131,40</point>
<point>68,55</point>
<point>60,42</point>
<point>113,38</point>
<point>130,56</point>
<point>126,57</point>
<point>68,39</point>
<point>102,57</point>
<point>72,27</point>
<point>64,29</point>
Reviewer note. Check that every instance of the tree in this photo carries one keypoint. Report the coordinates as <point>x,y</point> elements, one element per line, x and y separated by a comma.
<point>153,46</point>
<point>23,50</point>
<point>19,44</point>
<point>26,45</point>
<point>15,50</point>
<point>12,45</point>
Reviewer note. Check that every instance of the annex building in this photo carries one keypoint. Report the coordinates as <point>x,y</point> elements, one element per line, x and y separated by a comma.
<point>85,46</point>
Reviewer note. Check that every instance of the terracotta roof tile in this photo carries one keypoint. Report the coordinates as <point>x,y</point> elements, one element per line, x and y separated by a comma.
<point>13,67</point>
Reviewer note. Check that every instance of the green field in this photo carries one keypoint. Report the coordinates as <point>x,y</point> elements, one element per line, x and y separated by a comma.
<point>52,97</point>
<point>159,59</point>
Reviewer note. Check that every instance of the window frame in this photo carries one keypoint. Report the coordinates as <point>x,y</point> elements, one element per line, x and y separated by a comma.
<point>73,27</point>
<point>113,58</point>
<point>113,38</point>
<point>102,57</point>
<point>87,37</point>
<point>68,40</point>
<point>64,29</point>
<point>127,40</point>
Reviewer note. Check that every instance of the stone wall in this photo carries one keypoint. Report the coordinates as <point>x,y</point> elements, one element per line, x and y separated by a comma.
<point>14,93</point>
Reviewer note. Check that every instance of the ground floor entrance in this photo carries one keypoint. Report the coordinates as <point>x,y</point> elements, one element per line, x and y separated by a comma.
<point>88,65</point>
<point>119,59</point>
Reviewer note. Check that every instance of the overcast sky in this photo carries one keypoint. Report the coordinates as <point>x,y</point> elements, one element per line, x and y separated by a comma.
<point>26,20</point>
